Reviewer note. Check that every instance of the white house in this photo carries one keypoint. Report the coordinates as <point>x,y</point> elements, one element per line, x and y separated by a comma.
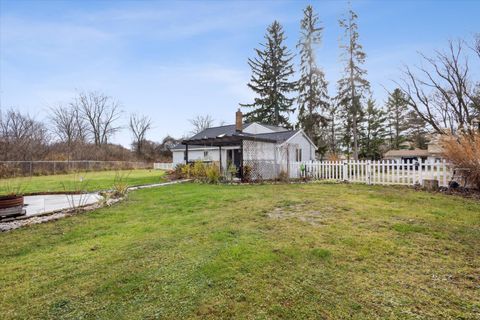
<point>265,149</point>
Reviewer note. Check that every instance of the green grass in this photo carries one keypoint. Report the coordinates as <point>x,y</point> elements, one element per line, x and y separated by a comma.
<point>99,180</point>
<point>250,252</point>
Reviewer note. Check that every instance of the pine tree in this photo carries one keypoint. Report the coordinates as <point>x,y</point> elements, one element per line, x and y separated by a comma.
<point>333,129</point>
<point>313,100</point>
<point>416,132</point>
<point>397,109</point>
<point>271,73</point>
<point>374,132</point>
<point>353,86</point>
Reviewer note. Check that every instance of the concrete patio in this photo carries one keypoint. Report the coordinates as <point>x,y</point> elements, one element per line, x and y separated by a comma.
<point>37,205</point>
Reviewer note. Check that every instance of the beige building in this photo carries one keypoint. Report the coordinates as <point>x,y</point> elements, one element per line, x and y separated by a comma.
<point>432,153</point>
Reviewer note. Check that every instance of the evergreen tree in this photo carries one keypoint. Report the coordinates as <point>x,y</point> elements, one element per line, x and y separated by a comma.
<point>397,109</point>
<point>353,86</point>
<point>333,129</point>
<point>271,73</point>
<point>312,86</point>
<point>373,133</point>
<point>417,132</point>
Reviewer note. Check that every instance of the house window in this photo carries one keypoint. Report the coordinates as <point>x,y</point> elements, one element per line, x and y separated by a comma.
<point>298,155</point>
<point>205,154</point>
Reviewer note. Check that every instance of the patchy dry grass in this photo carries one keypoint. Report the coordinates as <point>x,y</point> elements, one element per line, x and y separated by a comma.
<point>263,252</point>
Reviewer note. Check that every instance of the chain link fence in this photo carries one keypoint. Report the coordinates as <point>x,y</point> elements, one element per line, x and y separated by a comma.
<point>38,168</point>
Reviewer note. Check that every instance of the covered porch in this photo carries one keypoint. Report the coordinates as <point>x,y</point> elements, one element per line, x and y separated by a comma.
<point>231,149</point>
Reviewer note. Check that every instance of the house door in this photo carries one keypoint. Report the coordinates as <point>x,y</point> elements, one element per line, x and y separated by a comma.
<point>234,157</point>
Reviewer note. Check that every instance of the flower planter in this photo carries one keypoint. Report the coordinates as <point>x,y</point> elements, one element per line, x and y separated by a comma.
<point>11,206</point>
<point>10,201</point>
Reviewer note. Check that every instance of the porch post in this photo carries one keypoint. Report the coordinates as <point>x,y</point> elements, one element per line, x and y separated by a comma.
<point>241,159</point>
<point>220,154</point>
<point>186,153</point>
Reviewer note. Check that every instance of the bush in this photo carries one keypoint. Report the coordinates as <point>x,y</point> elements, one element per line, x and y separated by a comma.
<point>199,171</point>
<point>464,152</point>
<point>120,184</point>
<point>247,173</point>
<point>180,171</point>
<point>212,173</point>
<point>283,176</point>
<point>232,171</point>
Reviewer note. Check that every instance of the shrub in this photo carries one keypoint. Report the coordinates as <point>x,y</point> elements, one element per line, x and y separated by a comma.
<point>212,174</point>
<point>198,171</point>
<point>247,173</point>
<point>179,172</point>
<point>120,185</point>
<point>283,176</point>
<point>231,171</point>
<point>186,171</point>
<point>464,152</point>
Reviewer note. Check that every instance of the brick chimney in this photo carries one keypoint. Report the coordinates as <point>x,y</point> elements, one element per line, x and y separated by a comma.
<point>239,121</point>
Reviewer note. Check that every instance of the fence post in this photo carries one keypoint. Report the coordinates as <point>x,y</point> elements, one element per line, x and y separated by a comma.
<point>369,172</point>
<point>344,171</point>
<point>420,172</point>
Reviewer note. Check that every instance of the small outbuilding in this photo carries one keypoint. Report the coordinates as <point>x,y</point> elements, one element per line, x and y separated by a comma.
<point>265,149</point>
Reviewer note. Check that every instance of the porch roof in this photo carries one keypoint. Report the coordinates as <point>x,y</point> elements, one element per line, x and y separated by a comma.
<point>223,140</point>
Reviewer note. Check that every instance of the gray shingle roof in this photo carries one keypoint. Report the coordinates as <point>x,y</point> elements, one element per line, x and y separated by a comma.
<point>280,135</point>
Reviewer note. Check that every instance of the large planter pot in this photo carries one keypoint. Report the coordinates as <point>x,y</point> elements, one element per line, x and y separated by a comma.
<point>11,201</point>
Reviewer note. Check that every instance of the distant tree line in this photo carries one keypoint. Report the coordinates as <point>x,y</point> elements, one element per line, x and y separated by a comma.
<point>440,97</point>
<point>79,130</point>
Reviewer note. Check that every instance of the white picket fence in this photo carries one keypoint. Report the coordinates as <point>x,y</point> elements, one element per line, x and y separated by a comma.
<point>382,172</point>
<point>163,166</point>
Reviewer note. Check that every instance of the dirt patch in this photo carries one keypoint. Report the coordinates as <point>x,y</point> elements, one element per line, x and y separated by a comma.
<point>303,212</point>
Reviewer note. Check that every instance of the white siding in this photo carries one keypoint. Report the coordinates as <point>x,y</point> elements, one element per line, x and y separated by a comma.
<point>299,141</point>
<point>198,154</point>
<point>256,128</point>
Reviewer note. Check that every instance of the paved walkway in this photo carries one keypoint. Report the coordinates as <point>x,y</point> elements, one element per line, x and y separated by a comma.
<point>36,205</point>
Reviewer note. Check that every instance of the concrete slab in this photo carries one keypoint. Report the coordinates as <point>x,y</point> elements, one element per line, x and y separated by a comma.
<point>35,205</point>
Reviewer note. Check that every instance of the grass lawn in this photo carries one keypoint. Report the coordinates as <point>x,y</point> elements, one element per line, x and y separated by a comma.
<point>331,251</point>
<point>99,180</point>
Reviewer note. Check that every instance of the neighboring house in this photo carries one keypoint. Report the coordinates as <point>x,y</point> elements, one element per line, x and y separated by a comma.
<point>264,148</point>
<point>432,153</point>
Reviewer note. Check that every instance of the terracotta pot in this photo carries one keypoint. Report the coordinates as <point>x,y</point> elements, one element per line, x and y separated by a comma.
<point>10,201</point>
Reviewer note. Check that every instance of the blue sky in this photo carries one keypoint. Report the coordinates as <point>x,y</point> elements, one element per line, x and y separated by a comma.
<point>175,60</point>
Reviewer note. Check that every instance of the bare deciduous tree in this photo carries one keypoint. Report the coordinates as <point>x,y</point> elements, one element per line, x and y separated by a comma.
<point>139,125</point>
<point>21,136</point>
<point>476,47</point>
<point>101,113</point>
<point>442,92</point>
<point>201,123</point>
<point>67,125</point>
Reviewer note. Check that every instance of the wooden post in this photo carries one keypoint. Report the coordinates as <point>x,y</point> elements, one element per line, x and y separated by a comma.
<point>241,159</point>
<point>186,154</point>
<point>220,155</point>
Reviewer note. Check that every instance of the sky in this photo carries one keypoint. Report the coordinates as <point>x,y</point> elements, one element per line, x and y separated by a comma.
<point>175,60</point>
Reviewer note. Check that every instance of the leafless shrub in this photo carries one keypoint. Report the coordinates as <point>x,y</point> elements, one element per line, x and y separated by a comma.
<point>464,152</point>
<point>120,184</point>
<point>76,190</point>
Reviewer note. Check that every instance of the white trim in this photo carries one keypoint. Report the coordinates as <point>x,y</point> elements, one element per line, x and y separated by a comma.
<point>304,134</point>
<point>205,148</point>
